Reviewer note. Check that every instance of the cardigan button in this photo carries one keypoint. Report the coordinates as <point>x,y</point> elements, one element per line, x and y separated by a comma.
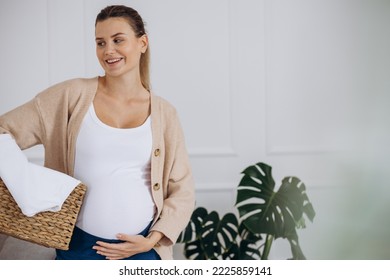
<point>156,187</point>
<point>157,152</point>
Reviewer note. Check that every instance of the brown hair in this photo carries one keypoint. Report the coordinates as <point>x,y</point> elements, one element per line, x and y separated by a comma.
<point>138,25</point>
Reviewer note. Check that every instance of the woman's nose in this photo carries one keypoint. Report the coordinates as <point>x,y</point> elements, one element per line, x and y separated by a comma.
<point>110,49</point>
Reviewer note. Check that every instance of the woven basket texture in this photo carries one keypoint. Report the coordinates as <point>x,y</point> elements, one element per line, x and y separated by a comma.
<point>50,229</point>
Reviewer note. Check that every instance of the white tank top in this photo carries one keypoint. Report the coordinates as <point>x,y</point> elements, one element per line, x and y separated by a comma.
<point>115,166</point>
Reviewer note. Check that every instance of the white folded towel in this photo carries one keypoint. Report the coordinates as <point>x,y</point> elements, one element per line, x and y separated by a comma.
<point>35,188</point>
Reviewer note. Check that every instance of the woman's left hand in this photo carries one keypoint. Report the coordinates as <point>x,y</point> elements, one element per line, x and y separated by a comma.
<point>132,245</point>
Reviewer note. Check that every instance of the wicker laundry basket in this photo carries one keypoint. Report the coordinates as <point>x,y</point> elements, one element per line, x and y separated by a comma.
<point>50,229</point>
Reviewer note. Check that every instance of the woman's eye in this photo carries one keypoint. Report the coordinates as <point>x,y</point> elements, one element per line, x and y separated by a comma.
<point>100,44</point>
<point>117,41</point>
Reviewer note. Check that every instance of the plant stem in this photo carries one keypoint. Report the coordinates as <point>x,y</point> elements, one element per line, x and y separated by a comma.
<point>267,246</point>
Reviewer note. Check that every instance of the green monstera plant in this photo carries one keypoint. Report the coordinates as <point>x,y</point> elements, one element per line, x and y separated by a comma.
<point>264,215</point>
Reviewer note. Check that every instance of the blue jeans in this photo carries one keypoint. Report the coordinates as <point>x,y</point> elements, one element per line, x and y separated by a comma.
<point>80,248</point>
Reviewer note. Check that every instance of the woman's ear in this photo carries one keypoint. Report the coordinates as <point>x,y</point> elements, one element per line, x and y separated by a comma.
<point>144,43</point>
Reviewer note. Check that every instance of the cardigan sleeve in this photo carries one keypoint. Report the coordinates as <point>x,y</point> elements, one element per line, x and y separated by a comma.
<point>24,124</point>
<point>45,116</point>
<point>179,202</point>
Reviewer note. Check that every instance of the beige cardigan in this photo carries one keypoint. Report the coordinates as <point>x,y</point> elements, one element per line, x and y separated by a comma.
<point>53,118</point>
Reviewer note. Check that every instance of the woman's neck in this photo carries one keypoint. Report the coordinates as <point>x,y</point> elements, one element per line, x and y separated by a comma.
<point>125,88</point>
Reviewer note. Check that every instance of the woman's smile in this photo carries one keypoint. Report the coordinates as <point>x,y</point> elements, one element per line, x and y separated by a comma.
<point>112,62</point>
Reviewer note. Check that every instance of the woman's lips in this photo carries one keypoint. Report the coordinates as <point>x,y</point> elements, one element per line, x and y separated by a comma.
<point>113,61</point>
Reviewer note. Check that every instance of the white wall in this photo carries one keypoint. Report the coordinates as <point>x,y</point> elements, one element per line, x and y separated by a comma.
<point>301,85</point>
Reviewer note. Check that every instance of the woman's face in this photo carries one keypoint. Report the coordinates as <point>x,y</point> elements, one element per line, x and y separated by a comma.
<point>117,47</point>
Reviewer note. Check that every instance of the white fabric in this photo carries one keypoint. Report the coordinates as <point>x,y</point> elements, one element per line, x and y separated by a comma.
<point>115,165</point>
<point>35,188</point>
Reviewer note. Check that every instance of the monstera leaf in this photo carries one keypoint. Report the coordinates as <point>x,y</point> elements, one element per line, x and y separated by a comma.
<point>250,244</point>
<point>191,232</point>
<point>213,236</point>
<point>244,250</point>
<point>264,211</point>
<point>246,247</point>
